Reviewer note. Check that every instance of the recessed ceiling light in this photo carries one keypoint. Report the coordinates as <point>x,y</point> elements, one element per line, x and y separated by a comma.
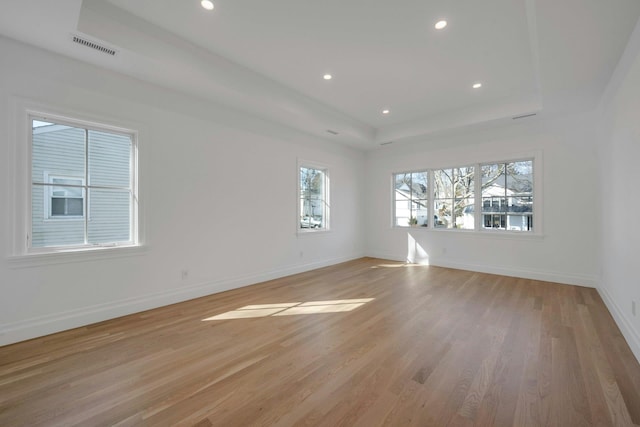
<point>477,85</point>
<point>207,4</point>
<point>385,111</point>
<point>441,24</point>
<point>327,76</point>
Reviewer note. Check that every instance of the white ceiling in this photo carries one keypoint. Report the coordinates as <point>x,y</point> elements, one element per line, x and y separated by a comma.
<point>268,57</point>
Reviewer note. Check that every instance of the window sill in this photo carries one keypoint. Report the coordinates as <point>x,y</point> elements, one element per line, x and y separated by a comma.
<point>312,232</point>
<point>473,233</point>
<point>74,255</point>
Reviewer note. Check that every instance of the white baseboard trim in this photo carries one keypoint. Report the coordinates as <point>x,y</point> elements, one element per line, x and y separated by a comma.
<point>623,322</point>
<point>36,327</point>
<point>390,257</point>
<point>547,276</point>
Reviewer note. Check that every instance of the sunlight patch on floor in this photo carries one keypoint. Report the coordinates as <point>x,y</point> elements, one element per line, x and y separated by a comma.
<point>292,309</point>
<point>397,265</point>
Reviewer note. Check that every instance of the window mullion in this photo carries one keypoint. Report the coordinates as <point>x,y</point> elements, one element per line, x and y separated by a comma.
<point>478,219</point>
<point>453,197</point>
<point>86,186</point>
<point>431,201</point>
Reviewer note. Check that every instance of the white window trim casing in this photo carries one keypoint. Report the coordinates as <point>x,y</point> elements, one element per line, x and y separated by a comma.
<point>538,170</point>
<point>20,254</point>
<point>327,219</point>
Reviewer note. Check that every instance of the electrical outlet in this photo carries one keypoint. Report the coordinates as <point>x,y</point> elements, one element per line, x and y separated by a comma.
<point>184,273</point>
<point>301,254</point>
<point>444,251</point>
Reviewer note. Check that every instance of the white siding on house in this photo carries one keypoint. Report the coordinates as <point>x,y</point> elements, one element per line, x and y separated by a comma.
<point>59,150</point>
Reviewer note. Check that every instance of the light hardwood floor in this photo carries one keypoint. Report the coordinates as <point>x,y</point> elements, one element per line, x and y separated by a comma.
<point>397,345</point>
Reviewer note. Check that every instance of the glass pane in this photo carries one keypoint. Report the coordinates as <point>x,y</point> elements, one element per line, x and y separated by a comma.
<point>463,210</point>
<point>419,185</point>
<point>65,207</point>
<point>109,159</point>
<point>442,215</point>
<point>495,204</point>
<point>443,183</point>
<point>493,180</point>
<point>519,178</point>
<point>520,204</point>
<point>57,191</point>
<point>56,149</point>
<point>109,216</point>
<point>311,182</point>
<point>419,213</point>
<point>464,190</point>
<point>402,183</point>
<point>494,221</point>
<point>313,213</point>
<point>312,198</point>
<point>402,211</point>
<point>464,184</point>
<point>52,231</point>
<point>519,222</point>
<point>402,221</point>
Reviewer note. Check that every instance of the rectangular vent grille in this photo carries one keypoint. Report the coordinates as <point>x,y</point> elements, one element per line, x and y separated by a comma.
<point>93,45</point>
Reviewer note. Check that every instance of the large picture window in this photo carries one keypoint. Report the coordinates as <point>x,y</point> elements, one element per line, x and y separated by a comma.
<point>314,198</point>
<point>83,191</point>
<point>490,196</point>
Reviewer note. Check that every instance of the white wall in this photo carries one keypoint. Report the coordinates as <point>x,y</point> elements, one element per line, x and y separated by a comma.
<point>620,202</point>
<point>566,251</point>
<point>218,190</point>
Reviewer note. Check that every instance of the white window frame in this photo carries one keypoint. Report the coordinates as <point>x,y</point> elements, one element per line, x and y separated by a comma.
<point>504,200</point>
<point>534,156</point>
<point>20,252</point>
<point>429,200</point>
<point>452,199</point>
<point>326,199</point>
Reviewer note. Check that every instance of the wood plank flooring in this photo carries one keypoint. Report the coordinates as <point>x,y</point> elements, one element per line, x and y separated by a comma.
<point>364,343</point>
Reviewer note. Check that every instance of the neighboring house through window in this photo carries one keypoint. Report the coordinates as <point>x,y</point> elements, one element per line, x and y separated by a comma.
<point>83,185</point>
<point>507,195</point>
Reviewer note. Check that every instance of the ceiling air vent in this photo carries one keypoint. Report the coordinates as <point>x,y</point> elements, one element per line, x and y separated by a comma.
<point>94,45</point>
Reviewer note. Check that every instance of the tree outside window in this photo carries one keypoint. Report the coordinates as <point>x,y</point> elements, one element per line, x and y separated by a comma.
<point>314,206</point>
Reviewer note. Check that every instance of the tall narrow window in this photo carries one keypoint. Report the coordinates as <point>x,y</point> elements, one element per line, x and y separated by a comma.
<point>454,198</point>
<point>83,189</point>
<point>314,198</point>
<point>411,201</point>
<point>507,196</point>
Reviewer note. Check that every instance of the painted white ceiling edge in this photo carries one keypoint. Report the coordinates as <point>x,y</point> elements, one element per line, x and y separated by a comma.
<point>572,62</point>
<point>165,59</point>
<point>152,54</point>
